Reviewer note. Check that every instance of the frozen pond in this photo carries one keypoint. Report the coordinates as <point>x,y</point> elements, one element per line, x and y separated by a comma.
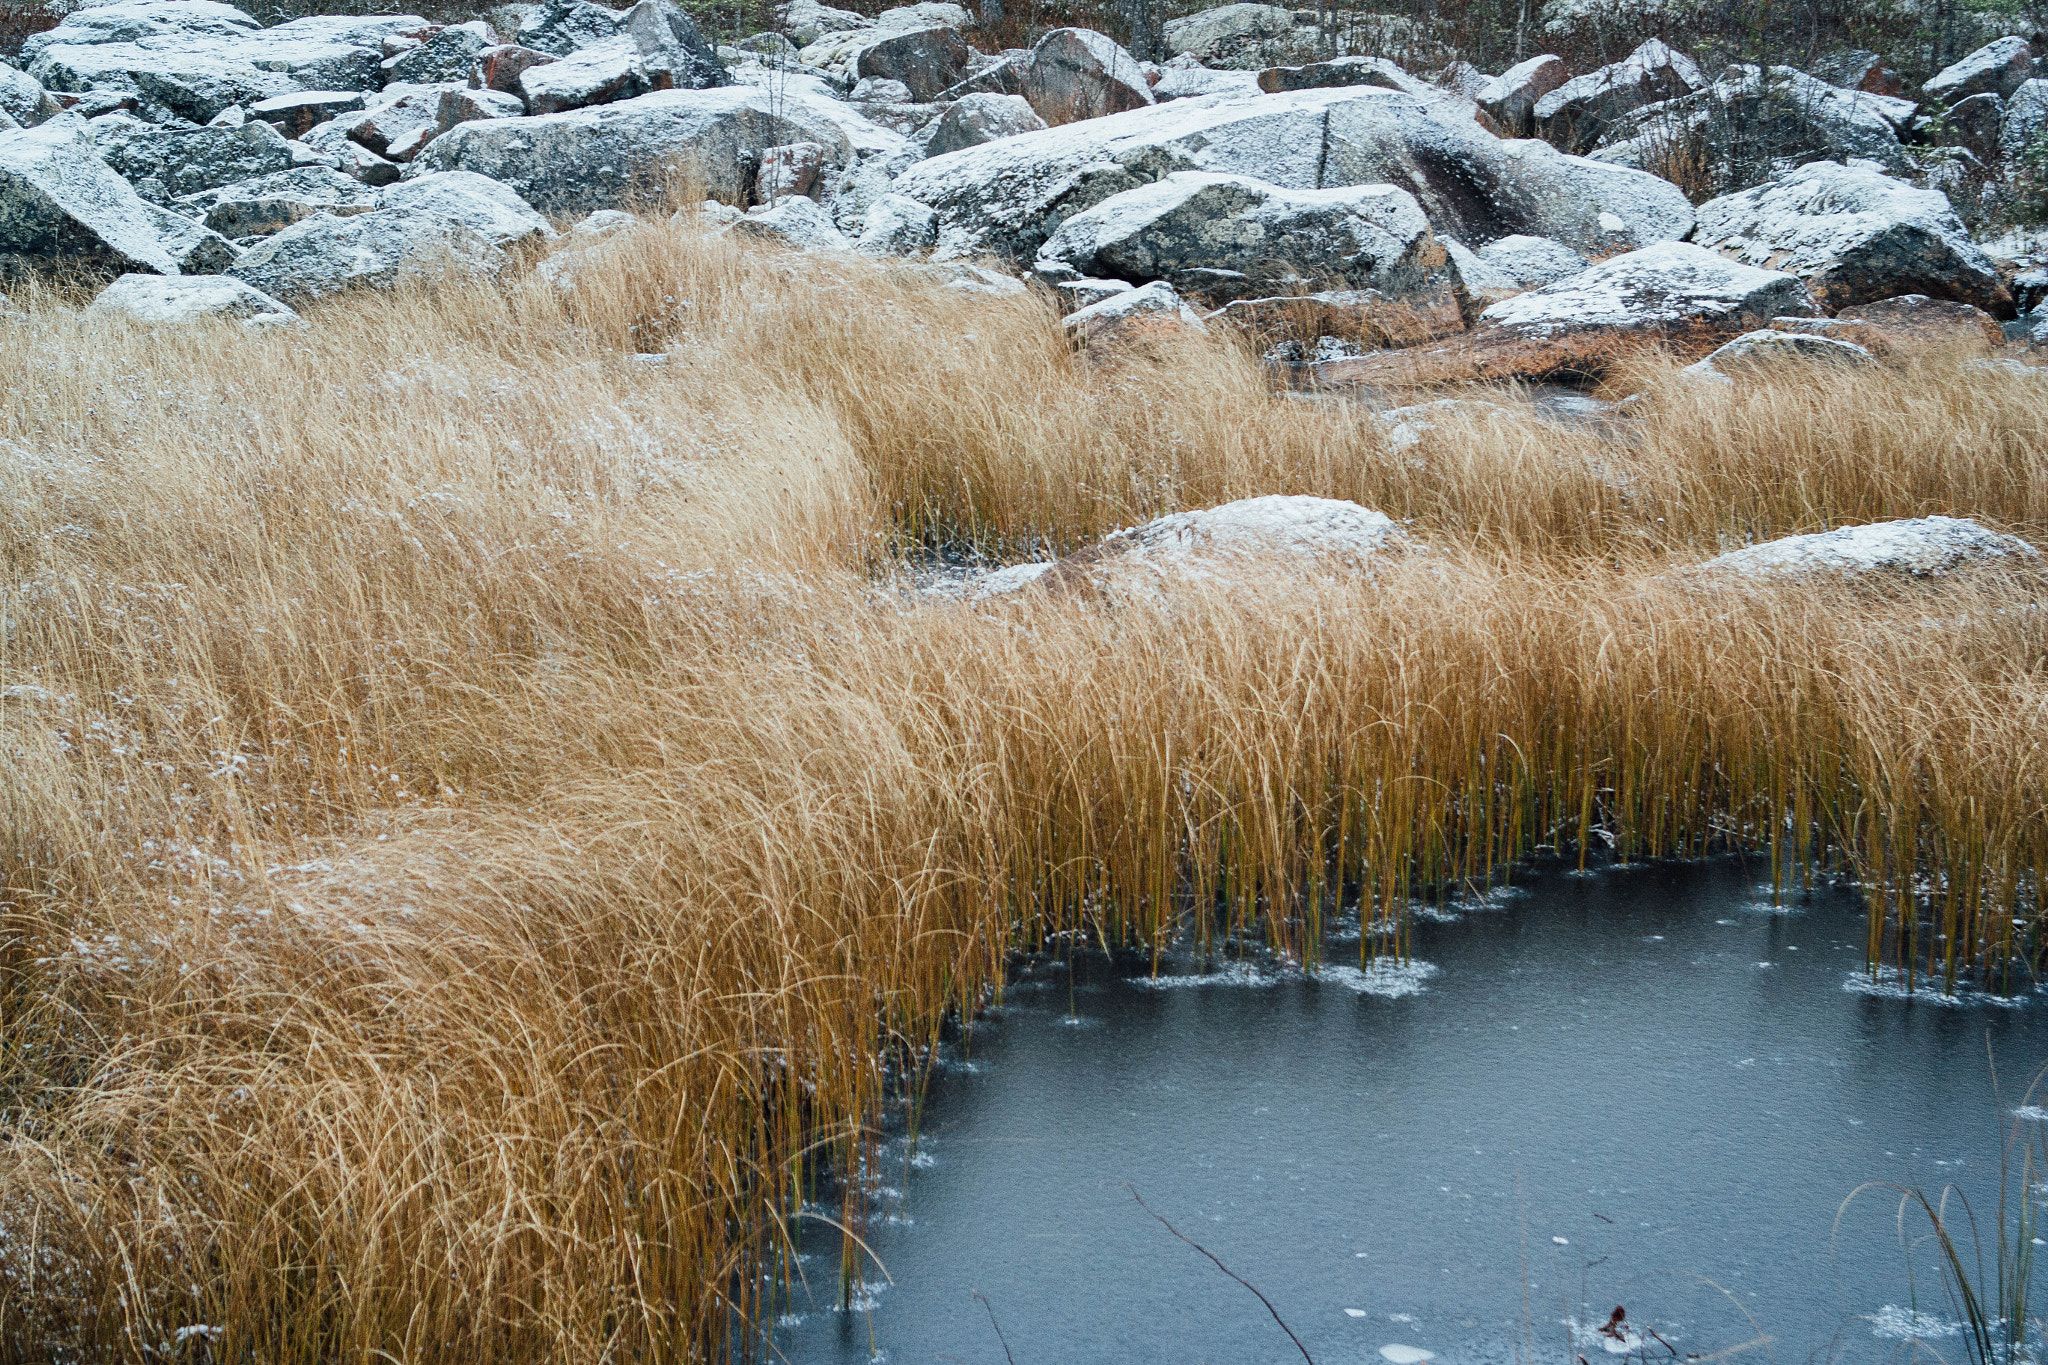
<point>1638,1088</point>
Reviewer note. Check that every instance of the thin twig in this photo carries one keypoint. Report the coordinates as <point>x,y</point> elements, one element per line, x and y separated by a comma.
<point>988,1309</point>
<point>1226,1270</point>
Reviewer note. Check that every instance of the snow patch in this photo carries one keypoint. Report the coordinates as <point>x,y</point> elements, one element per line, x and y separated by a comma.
<point>1890,984</point>
<point>1923,547</point>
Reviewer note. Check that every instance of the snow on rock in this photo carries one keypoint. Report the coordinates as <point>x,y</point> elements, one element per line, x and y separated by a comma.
<point>895,226</point>
<point>1923,547</point>
<point>1128,310</point>
<point>271,203</point>
<point>979,118</point>
<point>793,222</point>
<point>1532,262</point>
<point>1190,226</point>
<point>596,158</point>
<point>1999,67</point>
<point>481,204</point>
<point>1184,78</point>
<point>325,255</point>
<point>161,299</point>
<point>1509,99</point>
<point>1007,196</point>
<point>1854,235</point>
<point>1574,115</point>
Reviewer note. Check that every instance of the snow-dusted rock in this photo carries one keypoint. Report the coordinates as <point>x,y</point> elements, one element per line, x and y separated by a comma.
<point>59,201</point>
<point>1575,114</point>
<point>806,21</point>
<point>271,203</point>
<point>796,168</point>
<point>1915,320</point>
<point>1509,99</point>
<point>1007,196</point>
<point>794,222</point>
<point>1244,541</point>
<point>23,99</point>
<point>331,141</point>
<point>195,60</point>
<point>1660,286</point>
<point>325,255</point>
<point>1854,235</point>
<point>1754,351</point>
<point>895,226</point>
<point>656,46</point>
<point>1793,115</point>
<point>1129,310</point>
<point>927,60</point>
<point>1923,547</point>
<point>2024,120</point>
<point>1405,427</point>
<point>467,106</point>
<point>1074,295</point>
<point>1974,123</point>
<point>1333,315</point>
<point>1193,226</point>
<point>500,67</point>
<point>2000,67</point>
<point>1184,77</point>
<point>165,164</point>
<point>595,158</point>
<point>1076,73</point>
<point>444,56</point>
<point>160,299</point>
<point>1857,69</point>
<point>494,211</point>
<point>399,122</point>
<point>975,119</point>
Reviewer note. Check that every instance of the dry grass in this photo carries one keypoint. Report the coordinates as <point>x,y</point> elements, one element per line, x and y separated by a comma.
<point>479,820</point>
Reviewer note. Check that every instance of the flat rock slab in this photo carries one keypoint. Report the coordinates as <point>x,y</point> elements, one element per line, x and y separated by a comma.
<point>168,300</point>
<point>59,201</point>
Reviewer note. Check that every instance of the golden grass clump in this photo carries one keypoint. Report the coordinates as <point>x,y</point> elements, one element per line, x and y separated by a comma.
<point>483,819</point>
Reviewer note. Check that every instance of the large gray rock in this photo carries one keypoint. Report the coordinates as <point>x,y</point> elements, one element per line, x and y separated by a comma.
<point>197,69</point>
<point>331,141</point>
<point>1999,67</point>
<point>1854,234</point>
<point>467,106</point>
<point>1760,351</point>
<point>1576,114</point>
<point>1227,34</point>
<point>23,99</point>
<point>1340,71</point>
<point>159,299</point>
<point>1183,77</point>
<point>444,56</point>
<point>1075,74</point>
<point>2025,119</point>
<point>271,203</point>
<point>1008,196</point>
<point>975,119</point>
<point>1131,311</point>
<point>1509,99</point>
<point>399,123</point>
<point>794,222</point>
<point>197,248</point>
<point>300,112</point>
<point>895,226</point>
<point>655,47</point>
<point>325,255</point>
<point>1532,262</point>
<point>1923,547</point>
<point>169,164</point>
<point>59,201</point>
<point>806,21</point>
<point>590,159</point>
<point>488,208</point>
<point>1198,230</point>
<point>499,68</point>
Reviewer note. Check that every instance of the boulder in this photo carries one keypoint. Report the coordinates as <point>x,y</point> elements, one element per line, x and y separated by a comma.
<point>166,164</point>
<point>159,299</point>
<point>499,68</point>
<point>1668,293</point>
<point>927,60</point>
<point>300,112</point>
<point>559,27</point>
<point>331,141</point>
<point>1757,351</point>
<point>806,21</point>
<point>1076,294</point>
<point>446,55</point>
<point>1007,196</point>
<point>1340,71</point>
<point>794,222</point>
<point>1183,78</point>
<point>271,203</point>
<point>197,248</point>
<point>975,119</point>
<point>1923,547</point>
<point>1509,99</point>
<point>895,226</point>
<point>1463,79</point>
<point>589,159</point>
<point>1195,229</point>
<point>325,255</point>
<point>1575,115</point>
<point>1532,262</point>
<point>59,201</point>
<point>1999,67</point>
<point>491,210</point>
<point>1975,124</point>
<point>198,68</point>
<point>23,100</point>
<point>1229,33</point>
<point>1130,313</point>
<point>1854,235</point>
<point>656,47</point>
<point>1917,321</point>
<point>1352,315</point>
<point>398,126</point>
<point>1077,74</point>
